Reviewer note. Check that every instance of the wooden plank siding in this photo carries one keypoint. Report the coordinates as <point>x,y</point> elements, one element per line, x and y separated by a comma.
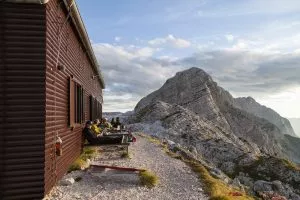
<point>78,67</point>
<point>22,100</point>
<point>35,98</point>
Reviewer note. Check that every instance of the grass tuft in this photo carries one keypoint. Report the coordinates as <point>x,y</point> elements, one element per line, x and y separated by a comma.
<point>81,161</point>
<point>125,155</point>
<point>77,165</point>
<point>173,155</point>
<point>151,139</point>
<point>148,179</point>
<point>77,179</point>
<point>88,153</point>
<point>289,164</point>
<point>216,188</point>
<point>219,198</point>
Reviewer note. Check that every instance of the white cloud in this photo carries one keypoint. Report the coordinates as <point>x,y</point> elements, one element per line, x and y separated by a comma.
<point>229,37</point>
<point>145,51</point>
<point>123,52</point>
<point>130,70</point>
<point>133,70</point>
<point>242,8</point>
<point>272,7</point>
<point>170,40</point>
<point>241,44</point>
<point>271,44</point>
<point>117,39</point>
<point>282,104</point>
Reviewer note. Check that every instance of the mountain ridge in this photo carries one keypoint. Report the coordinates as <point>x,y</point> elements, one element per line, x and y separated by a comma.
<point>295,122</point>
<point>192,111</point>
<point>194,89</point>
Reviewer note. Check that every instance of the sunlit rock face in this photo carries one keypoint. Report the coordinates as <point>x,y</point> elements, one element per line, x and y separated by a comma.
<point>250,105</point>
<point>196,112</point>
<point>295,122</point>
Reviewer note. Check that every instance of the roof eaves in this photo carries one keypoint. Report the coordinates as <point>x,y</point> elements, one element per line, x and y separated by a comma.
<point>78,23</point>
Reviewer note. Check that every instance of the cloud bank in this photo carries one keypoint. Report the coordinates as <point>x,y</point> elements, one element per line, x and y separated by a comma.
<point>132,72</point>
<point>171,41</point>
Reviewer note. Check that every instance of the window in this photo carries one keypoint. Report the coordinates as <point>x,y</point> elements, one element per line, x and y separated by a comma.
<point>76,103</point>
<point>95,108</point>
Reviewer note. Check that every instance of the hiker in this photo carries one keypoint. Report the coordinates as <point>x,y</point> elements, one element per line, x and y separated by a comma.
<point>117,123</point>
<point>105,124</point>
<point>112,122</point>
<point>95,127</point>
<point>92,138</point>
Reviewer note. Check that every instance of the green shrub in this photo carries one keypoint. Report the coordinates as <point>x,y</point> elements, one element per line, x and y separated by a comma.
<point>148,179</point>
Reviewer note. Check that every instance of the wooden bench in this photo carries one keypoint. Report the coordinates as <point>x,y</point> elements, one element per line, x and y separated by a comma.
<point>124,143</point>
<point>96,168</point>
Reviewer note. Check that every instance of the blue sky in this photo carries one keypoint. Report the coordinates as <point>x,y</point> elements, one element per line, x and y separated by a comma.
<point>251,48</point>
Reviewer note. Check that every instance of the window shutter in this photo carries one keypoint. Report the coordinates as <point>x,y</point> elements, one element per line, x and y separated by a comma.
<point>83,106</point>
<point>91,107</point>
<point>71,102</point>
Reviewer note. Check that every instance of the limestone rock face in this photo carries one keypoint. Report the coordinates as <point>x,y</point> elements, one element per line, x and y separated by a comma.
<point>231,134</point>
<point>191,100</point>
<point>250,105</point>
<point>193,89</point>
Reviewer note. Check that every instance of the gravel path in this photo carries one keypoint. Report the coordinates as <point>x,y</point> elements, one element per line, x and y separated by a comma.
<point>177,181</point>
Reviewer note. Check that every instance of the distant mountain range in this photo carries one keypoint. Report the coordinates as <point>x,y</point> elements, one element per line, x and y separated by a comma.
<point>123,116</point>
<point>295,122</point>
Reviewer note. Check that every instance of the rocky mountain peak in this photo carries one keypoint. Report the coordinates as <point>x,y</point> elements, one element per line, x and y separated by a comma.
<point>196,75</point>
<point>190,89</point>
<point>194,72</point>
<point>194,90</point>
<point>231,133</point>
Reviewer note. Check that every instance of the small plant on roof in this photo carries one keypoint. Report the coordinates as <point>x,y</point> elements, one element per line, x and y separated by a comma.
<point>148,179</point>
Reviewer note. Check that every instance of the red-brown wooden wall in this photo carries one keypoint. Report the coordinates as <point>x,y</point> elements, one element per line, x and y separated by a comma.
<point>22,104</point>
<point>34,96</point>
<point>77,65</point>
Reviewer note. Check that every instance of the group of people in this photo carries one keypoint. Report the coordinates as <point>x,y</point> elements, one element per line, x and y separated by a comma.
<point>116,123</point>
<point>101,127</point>
<point>96,132</point>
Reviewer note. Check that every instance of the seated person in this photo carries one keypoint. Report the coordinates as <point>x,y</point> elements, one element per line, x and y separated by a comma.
<point>117,123</point>
<point>112,122</point>
<point>95,127</point>
<point>92,138</point>
<point>105,124</point>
